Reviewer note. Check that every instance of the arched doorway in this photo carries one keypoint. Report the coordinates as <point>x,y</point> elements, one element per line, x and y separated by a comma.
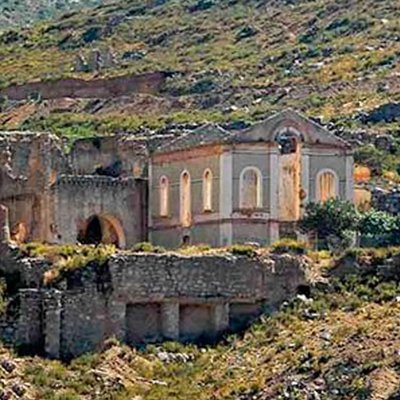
<point>102,229</point>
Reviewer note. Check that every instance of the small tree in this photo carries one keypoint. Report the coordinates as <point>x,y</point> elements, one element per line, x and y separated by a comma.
<point>379,228</point>
<point>375,223</point>
<point>334,221</point>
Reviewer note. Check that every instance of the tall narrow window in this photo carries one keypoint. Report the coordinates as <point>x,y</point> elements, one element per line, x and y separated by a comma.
<point>327,185</point>
<point>207,190</point>
<point>164,196</point>
<point>250,188</point>
<point>186,201</point>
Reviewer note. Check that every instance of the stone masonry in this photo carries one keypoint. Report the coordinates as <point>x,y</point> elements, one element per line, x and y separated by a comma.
<point>147,298</point>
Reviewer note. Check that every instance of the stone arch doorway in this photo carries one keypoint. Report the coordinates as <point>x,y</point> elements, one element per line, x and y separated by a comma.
<point>102,229</point>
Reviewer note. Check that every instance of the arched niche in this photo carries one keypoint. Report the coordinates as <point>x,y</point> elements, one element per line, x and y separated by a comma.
<point>288,140</point>
<point>185,199</point>
<point>327,185</point>
<point>250,186</point>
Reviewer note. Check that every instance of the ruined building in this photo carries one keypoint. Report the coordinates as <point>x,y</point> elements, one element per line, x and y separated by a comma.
<point>205,186</point>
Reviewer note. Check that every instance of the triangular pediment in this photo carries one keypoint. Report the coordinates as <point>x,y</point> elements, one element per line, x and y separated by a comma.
<point>309,131</point>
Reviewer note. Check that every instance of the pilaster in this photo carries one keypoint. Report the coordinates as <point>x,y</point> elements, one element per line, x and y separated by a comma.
<point>52,323</point>
<point>274,184</point>
<point>220,318</point>
<point>305,175</point>
<point>349,178</point>
<point>117,313</point>
<point>226,197</point>
<point>170,320</point>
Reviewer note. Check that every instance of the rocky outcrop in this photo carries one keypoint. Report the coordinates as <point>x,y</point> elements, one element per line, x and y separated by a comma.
<point>79,88</point>
<point>389,112</point>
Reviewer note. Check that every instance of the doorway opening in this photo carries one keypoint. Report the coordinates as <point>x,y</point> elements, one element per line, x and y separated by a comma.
<point>102,230</point>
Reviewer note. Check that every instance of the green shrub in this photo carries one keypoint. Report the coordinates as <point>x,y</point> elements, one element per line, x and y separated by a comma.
<point>242,250</point>
<point>333,221</point>
<point>146,247</point>
<point>289,246</point>
<point>195,249</point>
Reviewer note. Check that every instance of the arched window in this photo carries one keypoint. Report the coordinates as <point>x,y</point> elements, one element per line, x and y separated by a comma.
<point>250,188</point>
<point>164,196</point>
<point>327,185</point>
<point>186,201</point>
<point>207,190</point>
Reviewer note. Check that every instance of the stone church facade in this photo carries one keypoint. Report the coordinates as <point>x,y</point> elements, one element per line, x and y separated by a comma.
<point>204,186</point>
<point>217,187</point>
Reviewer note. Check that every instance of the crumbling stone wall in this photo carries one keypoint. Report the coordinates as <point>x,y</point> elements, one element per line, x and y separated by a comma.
<point>142,298</point>
<point>114,156</point>
<point>120,204</point>
<point>42,204</point>
<point>29,164</point>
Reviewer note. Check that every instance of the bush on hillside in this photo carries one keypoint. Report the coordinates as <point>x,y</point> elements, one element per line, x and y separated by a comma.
<point>242,250</point>
<point>334,222</point>
<point>289,246</point>
<point>379,227</point>
<point>146,247</point>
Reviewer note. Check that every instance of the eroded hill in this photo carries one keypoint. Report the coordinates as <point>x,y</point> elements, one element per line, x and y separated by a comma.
<point>234,62</point>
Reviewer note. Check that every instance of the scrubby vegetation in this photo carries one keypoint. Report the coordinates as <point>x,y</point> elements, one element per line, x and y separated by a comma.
<point>242,250</point>
<point>17,13</point>
<point>289,246</point>
<point>68,257</point>
<point>146,247</point>
<point>337,224</point>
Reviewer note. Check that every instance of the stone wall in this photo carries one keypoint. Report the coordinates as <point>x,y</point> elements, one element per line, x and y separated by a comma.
<point>29,164</point>
<point>48,195</point>
<point>119,203</point>
<point>147,298</point>
<point>141,298</point>
<point>118,155</point>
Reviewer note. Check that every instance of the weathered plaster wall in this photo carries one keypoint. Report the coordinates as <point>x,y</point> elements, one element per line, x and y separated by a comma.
<point>289,186</point>
<point>252,156</point>
<point>119,202</point>
<point>167,231</point>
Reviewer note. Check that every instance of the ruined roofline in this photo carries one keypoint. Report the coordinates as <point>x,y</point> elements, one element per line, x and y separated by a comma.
<point>205,135</point>
<point>140,146</point>
<point>211,133</point>
<point>95,180</point>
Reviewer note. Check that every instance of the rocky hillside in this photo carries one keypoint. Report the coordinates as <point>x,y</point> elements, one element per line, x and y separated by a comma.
<point>233,62</point>
<point>341,341</point>
<point>21,13</point>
